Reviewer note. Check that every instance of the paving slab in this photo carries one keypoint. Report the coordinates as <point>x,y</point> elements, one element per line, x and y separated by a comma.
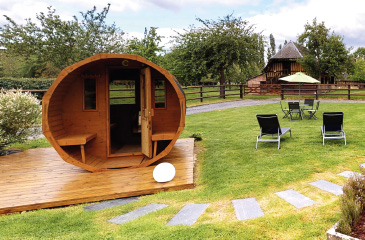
<point>139,212</point>
<point>295,198</point>
<point>247,208</point>
<point>111,203</point>
<point>188,214</point>
<point>348,174</point>
<point>328,186</point>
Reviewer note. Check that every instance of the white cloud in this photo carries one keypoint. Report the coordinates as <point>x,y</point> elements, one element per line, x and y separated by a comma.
<point>20,10</point>
<point>345,18</point>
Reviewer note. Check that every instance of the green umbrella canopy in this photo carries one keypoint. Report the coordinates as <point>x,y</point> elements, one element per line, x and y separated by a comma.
<point>300,78</point>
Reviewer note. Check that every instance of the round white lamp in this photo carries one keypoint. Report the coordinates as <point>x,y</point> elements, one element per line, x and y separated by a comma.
<point>164,172</point>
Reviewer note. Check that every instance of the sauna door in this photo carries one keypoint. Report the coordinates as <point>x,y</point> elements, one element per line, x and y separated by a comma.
<point>146,112</point>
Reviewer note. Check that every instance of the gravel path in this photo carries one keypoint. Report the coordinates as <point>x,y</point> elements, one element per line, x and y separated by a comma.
<point>244,103</point>
<point>232,104</point>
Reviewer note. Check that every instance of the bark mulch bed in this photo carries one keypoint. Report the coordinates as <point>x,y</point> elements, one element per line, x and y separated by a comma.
<point>358,230</point>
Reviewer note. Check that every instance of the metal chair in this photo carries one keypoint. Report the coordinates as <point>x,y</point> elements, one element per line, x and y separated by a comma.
<point>312,112</point>
<point>285,110</point>
<point>333,126</point>
<point>309,103</point>
<point>294,109</point>
<point>270,130</point>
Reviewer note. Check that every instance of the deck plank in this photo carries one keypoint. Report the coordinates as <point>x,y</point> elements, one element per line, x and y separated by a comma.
<point>39,178</point>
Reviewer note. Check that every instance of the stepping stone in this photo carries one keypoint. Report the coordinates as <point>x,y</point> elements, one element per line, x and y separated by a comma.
<point>348,174</point>
<point>188,214</point>
<point>139,212</point>
<point>111,203</point>
<point>296,199</point>
<point>362,165</point>
<point>247,208</point>
<point>328,186</point>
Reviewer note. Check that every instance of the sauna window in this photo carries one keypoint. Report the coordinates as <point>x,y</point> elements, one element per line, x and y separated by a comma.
<point>122,92</point>
<point>160,94</point>
<point>90,94</point>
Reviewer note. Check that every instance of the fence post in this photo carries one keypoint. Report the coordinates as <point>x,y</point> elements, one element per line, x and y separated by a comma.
<point>281,92</point>
<point>241,94</point>
<point>201,93</point>
<point>317,92</point>
<point>244,90</point>
<point>349,90</point>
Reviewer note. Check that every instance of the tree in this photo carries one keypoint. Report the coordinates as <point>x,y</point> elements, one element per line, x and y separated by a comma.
<point>359,53</point>
<point>214,47</point>
<point>271,50</point>
<point>52,43</point>
<point>359,71</point>
<point>148,47</point>
<point>325,54</point>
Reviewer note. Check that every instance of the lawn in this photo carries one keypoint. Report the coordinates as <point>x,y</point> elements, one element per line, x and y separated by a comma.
<point>228,167</point>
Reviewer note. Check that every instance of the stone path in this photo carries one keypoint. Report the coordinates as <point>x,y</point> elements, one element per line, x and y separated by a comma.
<point>328,186</point>
<point>139,212</point>
<point>188,214</point>
<point>348,174</point>
<point>247,208</point>
<point>296,199</point>
<point>110,203</point>
<point>244,209</point>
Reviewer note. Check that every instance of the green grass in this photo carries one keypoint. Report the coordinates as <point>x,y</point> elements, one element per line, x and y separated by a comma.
<point>228,167</point>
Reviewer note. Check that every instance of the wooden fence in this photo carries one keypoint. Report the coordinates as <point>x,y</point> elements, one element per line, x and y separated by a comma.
<point>199,93</point>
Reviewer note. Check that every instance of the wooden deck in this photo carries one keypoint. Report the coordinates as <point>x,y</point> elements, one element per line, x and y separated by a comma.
<point>39,178</point>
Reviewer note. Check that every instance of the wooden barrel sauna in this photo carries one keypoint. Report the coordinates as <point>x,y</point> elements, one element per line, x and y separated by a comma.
<point>113,111</point>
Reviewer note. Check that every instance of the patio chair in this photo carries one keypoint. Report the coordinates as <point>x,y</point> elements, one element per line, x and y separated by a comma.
<point>308,104</point>
<point>270,130</point>
<point>285,110</point>
<point>294,109</point>
<point>333,126</point>
<point>312,112</point>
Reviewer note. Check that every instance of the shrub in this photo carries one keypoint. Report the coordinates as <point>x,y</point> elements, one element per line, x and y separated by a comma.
<point>197,136</point>
<point>27,83</point>
<point>352,203</point>
<point>19,112</point>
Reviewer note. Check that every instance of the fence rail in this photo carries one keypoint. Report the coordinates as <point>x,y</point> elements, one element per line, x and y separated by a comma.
<point>199,93</point>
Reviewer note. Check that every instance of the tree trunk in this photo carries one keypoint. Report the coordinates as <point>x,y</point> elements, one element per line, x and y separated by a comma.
<point>222,83</point>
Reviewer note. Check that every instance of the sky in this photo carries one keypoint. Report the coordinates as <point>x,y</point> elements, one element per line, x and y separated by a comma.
<point>285,19</point>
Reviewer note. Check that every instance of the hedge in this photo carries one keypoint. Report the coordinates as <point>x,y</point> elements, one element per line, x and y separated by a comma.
<point>26,83</point>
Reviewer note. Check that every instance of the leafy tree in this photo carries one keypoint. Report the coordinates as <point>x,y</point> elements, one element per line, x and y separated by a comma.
<point>359,71</point>
<point>52,43</point>
<point>325,54</point>
<point>359,53</point>
<point>271,50</point>
<point>148,47</point>
<point>214,47</point>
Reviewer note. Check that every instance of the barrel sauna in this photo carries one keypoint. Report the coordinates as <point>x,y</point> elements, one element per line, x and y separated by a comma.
<point>113,111</point>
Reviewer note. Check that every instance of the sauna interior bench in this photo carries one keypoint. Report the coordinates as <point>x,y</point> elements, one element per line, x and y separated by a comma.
<point>77,139</point>
<point>159,136</point>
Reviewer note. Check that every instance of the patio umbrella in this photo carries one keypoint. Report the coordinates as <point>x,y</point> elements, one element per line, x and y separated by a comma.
<point>300,78</point>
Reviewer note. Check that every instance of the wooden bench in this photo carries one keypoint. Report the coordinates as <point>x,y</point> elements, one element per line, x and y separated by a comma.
<point>159,136</point>
<point>77,139</point>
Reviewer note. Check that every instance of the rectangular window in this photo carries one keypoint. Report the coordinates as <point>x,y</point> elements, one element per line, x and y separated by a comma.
<point>90,94</point>
<point>160,94</point>
<point>122,92</point>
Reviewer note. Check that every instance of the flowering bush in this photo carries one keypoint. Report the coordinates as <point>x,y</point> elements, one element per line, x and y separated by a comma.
<point>19,112</point>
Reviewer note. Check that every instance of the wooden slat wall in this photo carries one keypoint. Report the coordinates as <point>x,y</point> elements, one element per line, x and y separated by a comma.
<point>295,67</point>
<point>167,119</point>
<point>78,121</point>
